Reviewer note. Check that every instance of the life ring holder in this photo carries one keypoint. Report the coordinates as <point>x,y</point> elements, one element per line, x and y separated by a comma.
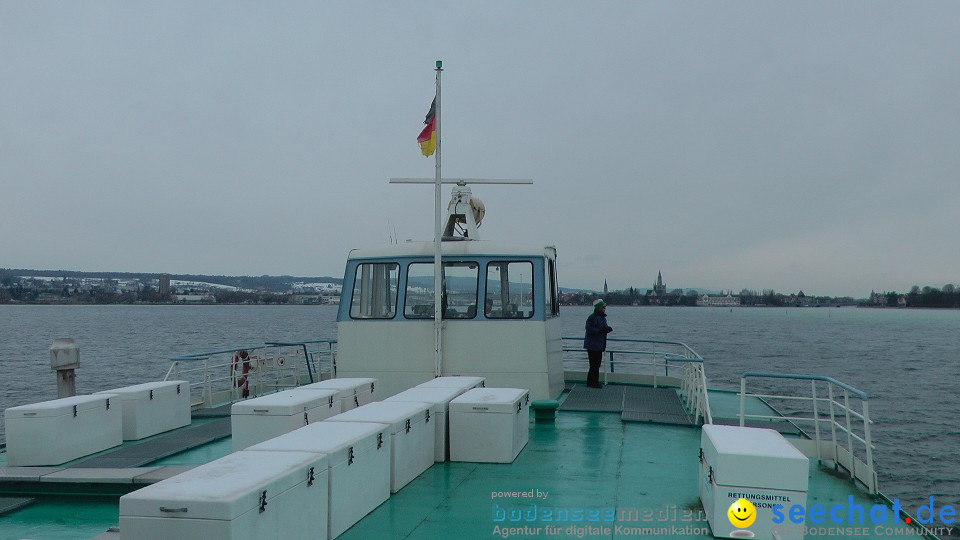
<point>244,363</point>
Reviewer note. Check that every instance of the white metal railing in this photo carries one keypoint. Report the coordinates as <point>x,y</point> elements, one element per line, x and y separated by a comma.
<point>693,392</point>
<point>656,358</point>
<point>853,425</point>
<point>216,378</point>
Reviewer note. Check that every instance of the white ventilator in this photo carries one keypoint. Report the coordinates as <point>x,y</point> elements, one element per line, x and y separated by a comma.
<point>464,211</point>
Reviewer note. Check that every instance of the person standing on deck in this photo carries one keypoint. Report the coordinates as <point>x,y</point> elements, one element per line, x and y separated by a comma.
<point>595,341</point>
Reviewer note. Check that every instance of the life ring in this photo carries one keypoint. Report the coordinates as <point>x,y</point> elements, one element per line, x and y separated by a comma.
<point>241,362</point>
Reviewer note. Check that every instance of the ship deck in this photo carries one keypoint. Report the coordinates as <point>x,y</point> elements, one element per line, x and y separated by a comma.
<point>645,473</point>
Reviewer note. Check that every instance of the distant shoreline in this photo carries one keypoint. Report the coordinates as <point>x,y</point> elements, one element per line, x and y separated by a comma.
<point>294,304</point>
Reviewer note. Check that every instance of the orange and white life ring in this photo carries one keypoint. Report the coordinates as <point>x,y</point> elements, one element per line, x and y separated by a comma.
<point>241,363</point>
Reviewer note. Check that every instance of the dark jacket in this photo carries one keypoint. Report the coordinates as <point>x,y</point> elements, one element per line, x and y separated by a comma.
<point>596,332</point>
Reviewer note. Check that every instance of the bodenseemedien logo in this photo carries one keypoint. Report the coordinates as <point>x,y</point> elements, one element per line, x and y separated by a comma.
<point>742,514</point>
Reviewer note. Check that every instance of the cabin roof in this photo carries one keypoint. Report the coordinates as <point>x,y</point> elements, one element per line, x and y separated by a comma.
<point>477,248</point>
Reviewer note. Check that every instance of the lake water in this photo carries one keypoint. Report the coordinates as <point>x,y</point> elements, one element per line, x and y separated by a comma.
<point>906,360</point>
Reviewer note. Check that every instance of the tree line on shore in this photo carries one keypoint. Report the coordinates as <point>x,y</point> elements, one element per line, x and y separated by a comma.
<point>926,297</point>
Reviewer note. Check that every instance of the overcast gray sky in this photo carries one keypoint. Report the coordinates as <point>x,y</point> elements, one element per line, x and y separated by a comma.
<point>786,145</point>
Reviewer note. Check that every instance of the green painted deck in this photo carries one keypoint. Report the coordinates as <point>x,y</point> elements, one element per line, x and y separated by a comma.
<point>583,460</point>
<point>644,473</point>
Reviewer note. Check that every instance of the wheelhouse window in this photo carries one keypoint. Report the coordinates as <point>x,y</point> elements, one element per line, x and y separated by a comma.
<point>509,290</point>
<point>459,293</point>
<point>375,291</point>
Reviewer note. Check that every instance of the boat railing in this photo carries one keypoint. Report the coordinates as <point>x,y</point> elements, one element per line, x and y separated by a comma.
<point>216,378</point>
<point>657,358</point>
<point>841,429</point>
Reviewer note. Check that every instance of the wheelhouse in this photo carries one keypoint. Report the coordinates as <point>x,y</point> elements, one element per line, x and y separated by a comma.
<point>500,306</point>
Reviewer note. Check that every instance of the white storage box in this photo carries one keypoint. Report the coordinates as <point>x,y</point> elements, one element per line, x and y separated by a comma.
<point>258,419</point>
<point>440,398</point>
<point>464,383</point>
<point>412,435</point>
<point>243,495</point>
<point>489,425</point>
<point>61,430</point>
<point>152,408</point>
<point>359,465</point>
<point>758,465</point>
<point>353,392</point>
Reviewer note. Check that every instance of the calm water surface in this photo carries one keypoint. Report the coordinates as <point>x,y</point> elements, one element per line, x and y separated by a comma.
<point>907,360</point>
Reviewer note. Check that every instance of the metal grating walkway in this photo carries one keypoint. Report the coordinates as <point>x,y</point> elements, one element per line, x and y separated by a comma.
<point>583,398</point>
<point>9,504</point>
<point>658,405</point>
<point>160,446</point>
<point>635,403</point>
<point>785,427</point>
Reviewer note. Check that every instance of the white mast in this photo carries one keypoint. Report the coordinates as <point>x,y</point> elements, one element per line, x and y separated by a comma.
<point>437,268</point>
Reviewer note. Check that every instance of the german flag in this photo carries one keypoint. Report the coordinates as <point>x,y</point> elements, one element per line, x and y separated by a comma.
<point>428,137</point>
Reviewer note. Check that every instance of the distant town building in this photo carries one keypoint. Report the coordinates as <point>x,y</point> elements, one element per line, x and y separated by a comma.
<point>164,287</point>
<point>719,300</point>
<point>659,289</point>
<point>194,298</point>
<point>605,289</point>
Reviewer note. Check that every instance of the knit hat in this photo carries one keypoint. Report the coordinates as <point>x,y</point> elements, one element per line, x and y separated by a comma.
<point>598,303</point>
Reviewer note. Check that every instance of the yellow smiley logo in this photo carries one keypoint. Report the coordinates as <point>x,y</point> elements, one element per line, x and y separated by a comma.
<point>742,513</point>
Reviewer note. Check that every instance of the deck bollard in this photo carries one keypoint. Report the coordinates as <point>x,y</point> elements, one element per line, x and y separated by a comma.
<point>545,411</point>
<point>64,359</point>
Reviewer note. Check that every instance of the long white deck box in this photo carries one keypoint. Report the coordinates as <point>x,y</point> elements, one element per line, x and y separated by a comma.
<point>412,435</point>
<point>353,392</point>
<point>359,465</point>
<point>440,398</point>
<point>758,465</point>
<point>61,430</point>
<point>258,419</point>
<point>489,425</point>
<point>242,495</point>
<point>462,382</point>
<point>152,408</point>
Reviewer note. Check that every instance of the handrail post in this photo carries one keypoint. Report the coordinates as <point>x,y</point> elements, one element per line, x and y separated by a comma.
<point>833,426</point>
<point>853,461</point>
<point>306,357</point>
<point>816,418</point>
<point>743,396</point>
<point>208,393</point>
<point>705,397</point>
<point>869,443</point>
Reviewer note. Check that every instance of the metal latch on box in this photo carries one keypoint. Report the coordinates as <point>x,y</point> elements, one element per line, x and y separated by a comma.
<point>310,477</point>
<point>350,456</point>
<point>263,501</point>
